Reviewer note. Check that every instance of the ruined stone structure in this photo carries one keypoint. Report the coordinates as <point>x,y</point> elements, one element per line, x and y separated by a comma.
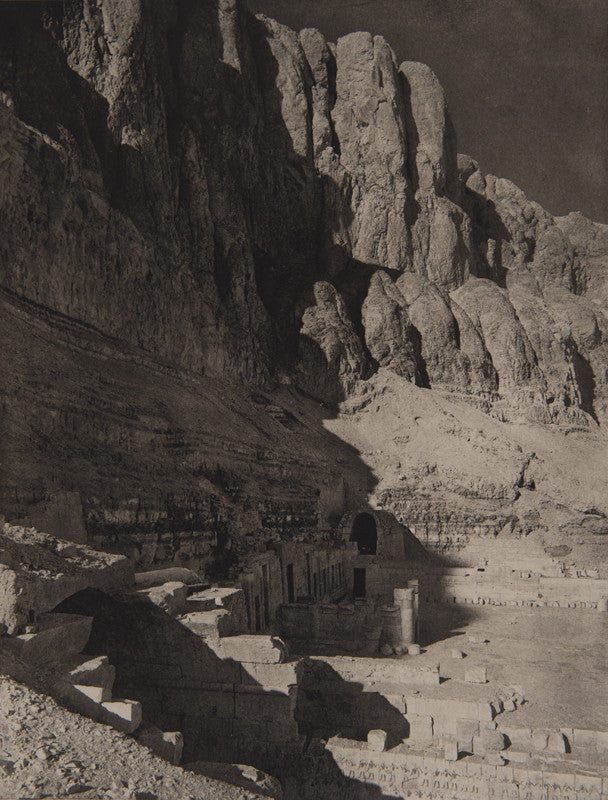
<point>303,449</point>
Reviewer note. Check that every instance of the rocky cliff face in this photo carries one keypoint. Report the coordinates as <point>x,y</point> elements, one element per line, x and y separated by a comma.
<point>212,191</point>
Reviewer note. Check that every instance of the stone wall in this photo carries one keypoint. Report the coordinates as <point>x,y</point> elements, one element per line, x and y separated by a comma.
<point>353,627</point>
<point>486,585</point>
<point>403,774</point>
<point>523,588</point>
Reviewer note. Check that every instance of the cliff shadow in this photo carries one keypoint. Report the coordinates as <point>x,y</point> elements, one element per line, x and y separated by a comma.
<point>224,712</point>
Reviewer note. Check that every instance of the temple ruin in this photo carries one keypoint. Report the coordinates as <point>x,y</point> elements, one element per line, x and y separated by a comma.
<point>302,443</point>
<point>301,661</point>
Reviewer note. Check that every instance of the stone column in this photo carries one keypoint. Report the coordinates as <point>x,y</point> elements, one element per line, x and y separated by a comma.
<point>414,583</point>
<point>391,626</point>
<point>405,599</point>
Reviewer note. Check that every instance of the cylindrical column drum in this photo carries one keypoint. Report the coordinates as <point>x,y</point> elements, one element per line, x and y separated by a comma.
<point>405,599</point>
<point>391,625</point>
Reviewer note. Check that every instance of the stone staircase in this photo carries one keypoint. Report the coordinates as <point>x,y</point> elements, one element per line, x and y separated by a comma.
<point>89,691</point>
<point>85,684</point>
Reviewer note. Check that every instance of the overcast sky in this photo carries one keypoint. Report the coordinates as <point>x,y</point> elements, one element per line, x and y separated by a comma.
<point>526,81</point>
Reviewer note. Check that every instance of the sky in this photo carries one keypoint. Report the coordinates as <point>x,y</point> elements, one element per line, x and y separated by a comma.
<point>526,81</point>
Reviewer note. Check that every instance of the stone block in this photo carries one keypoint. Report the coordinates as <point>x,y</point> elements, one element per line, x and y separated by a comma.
<point>156,577</point>
<point>455,653</point>
<point>124,715</point>
<point>476,675</point>
<point>207,624</point>
<point>376,740</point>
<point>98,694</point>
<point>421,728</point>
<point>450,748</point>
<point>485,712</point>
<point>166,745</point>
<point>521,738</point>
<point>556,744</point>
<point>271,677</point>
<point>493,741</point>
<point>200,601</point>
<point>584,738</point>
<point>170,597</point>
<point>58,636</point>
<point>396,700</point>
<point>260,705</point>
<point>540,740</point>
<point>518,756</point>
<point>252,648</point>
<point>233,600</point>
<point>497,706</point>
<point>92,672</point>
<point>466,729</point>
<point>413,649</point>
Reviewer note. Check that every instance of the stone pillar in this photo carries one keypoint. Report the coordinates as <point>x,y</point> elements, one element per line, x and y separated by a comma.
<point>405,599</point>
<point>414,584</point>
<point>391,626</point>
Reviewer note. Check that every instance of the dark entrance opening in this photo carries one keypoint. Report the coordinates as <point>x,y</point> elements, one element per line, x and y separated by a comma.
<point>291,595</point>
<point>365,534</point>
<point>359,582</point>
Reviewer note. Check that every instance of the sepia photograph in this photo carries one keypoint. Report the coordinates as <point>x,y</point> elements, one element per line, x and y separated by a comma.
<point>303,399</point>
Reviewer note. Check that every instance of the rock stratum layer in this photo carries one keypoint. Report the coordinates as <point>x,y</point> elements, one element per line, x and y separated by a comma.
<point>210,223</point>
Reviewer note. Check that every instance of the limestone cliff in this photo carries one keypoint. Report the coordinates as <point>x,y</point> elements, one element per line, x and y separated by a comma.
<point>198,204</point>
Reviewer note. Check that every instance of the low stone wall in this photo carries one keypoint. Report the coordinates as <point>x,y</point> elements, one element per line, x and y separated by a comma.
<point>351,626</point>
<point>361,626</point>
<point>492,586</point>
<point>518,589</point>
<point>401,773</point>
<point>530,740</point>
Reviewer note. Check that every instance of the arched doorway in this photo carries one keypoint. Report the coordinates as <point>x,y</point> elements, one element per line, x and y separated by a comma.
<point>365,534</point>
